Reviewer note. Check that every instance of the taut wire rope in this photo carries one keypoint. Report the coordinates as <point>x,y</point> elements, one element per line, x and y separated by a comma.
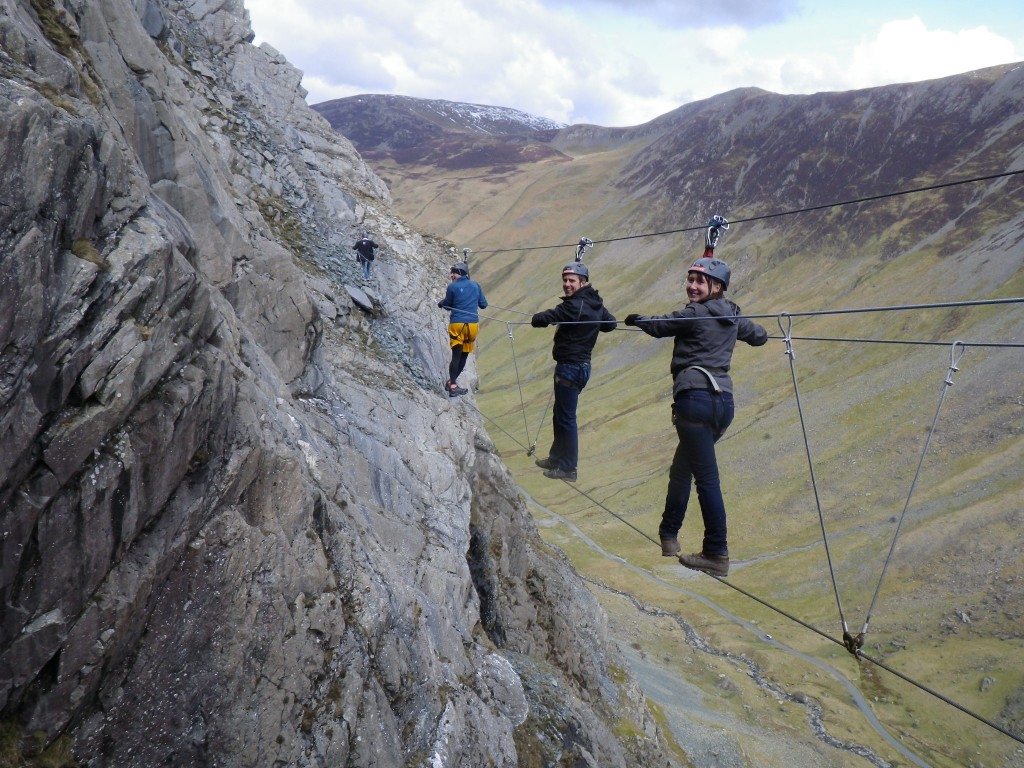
<point>519,384</point>
<point>954,360</point>
<point>762,217</point>
<point>914,342</point>
<point>791,354</point>
<point>830,312</point>
<point>852,644</point>
<point>522,402</point>
<point>846,641</point>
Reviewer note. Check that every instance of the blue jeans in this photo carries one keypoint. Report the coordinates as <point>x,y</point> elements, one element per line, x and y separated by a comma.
<point>366,269</point>
<point>701,418</point>
<point>570,379</point>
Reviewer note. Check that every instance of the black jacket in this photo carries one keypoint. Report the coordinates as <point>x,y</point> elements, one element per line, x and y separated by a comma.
<point>580,318</point>
<point>365,248</point>
<point>705,335</point>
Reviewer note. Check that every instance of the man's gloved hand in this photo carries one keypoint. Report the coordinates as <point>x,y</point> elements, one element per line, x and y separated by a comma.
<point>631,319</point>
<point>537,322</point>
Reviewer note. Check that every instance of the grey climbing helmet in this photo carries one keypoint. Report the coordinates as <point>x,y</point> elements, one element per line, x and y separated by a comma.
<point>713,267</point>
<point>461,267</point>
<point>577,268</point>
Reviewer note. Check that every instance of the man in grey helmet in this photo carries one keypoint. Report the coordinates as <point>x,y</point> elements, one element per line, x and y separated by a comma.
<point>580,317</point>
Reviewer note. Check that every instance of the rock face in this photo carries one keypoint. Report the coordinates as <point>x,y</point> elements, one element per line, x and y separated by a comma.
<point>240,524</point>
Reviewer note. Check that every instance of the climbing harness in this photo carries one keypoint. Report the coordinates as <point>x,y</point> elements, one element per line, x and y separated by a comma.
<point>715,386</point>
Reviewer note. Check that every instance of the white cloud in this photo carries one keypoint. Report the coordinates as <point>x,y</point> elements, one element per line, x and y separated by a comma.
<point>907,51</point>
<point>606,61</point>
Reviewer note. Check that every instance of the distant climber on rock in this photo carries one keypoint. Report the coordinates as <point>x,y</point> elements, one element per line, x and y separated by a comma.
<point>463,299</point>
<point>364,248</point>
<point>705,331</point>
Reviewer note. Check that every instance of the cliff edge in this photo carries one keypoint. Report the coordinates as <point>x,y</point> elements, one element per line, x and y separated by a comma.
<point>240,522</point>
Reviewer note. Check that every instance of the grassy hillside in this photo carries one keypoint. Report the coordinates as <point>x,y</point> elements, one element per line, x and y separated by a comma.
<point>868,410</point>
<point>950,611</point>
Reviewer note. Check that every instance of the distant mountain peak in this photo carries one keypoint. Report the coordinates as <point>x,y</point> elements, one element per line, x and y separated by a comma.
<point>436,131</point>
<point>489,119</point>
<point>447,115</point>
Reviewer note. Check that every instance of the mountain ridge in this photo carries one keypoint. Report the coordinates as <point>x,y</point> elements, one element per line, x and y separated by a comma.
<point>700,158</point>
<point>454,134</point>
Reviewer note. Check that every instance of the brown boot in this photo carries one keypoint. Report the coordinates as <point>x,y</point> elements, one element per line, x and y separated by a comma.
<point>669,546</point>
<point>716,565</point>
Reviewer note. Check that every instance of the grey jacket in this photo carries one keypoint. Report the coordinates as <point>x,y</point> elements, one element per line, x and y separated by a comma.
<point>705,335</point>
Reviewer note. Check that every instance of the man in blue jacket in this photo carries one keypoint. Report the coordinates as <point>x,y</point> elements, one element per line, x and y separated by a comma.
<point>462,298</point>
<point>580,317</point>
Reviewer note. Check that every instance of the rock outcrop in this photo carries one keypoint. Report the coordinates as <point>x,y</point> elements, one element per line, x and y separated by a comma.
<point>240,524</point>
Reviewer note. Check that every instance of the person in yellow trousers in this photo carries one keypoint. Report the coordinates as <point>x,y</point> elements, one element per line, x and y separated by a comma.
<point>463,298</point>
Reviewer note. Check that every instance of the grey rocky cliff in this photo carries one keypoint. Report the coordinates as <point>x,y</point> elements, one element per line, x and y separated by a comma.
<point>240,524</point>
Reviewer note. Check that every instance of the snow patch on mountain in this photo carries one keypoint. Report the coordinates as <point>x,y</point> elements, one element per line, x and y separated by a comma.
<point>488,119</point>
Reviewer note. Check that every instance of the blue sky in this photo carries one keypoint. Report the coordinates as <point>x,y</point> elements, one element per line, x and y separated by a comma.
<point>624,62</point>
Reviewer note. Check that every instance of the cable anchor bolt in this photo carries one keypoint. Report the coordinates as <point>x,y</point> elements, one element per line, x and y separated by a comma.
<point>787,334</point>
<point>954,360</point>
<point>853,643</point>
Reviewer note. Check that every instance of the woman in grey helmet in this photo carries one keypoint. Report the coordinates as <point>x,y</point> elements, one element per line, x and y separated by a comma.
<point>705,333</point>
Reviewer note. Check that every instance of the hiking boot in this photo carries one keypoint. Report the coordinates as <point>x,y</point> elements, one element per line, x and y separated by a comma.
<point>669,546</point>
<point>547,463</point>
<point>716,565</point>
<point>557,473</point>
<point>453,389</point>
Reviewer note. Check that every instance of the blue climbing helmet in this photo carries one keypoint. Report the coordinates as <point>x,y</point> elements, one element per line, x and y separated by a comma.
<point>714,268</point>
